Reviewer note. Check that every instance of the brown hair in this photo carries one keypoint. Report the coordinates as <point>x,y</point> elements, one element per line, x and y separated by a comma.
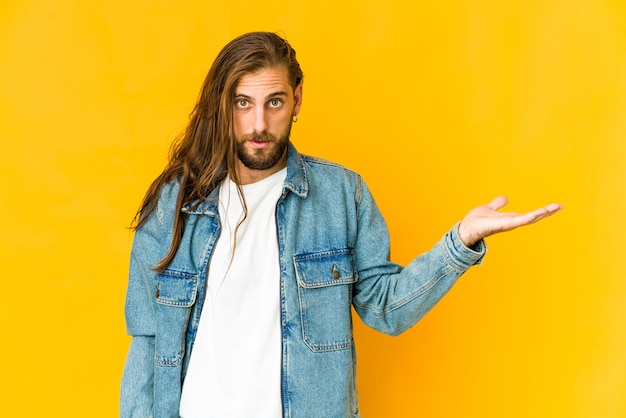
<point>204,154</point>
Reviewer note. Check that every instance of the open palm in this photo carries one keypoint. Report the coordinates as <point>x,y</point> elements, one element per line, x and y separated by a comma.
<point>485,220</point>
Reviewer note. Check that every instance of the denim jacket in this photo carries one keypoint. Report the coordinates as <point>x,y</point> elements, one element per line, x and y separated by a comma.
<point>334,255</point>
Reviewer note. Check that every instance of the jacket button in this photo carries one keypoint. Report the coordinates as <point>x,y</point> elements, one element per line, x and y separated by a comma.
<point>336,274</point>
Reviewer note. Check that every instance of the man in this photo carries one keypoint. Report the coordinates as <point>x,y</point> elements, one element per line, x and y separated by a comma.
<point>248,257</point>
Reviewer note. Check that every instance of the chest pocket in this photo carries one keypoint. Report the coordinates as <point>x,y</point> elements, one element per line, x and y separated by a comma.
<point>325,291</point>
<point>175,295</point>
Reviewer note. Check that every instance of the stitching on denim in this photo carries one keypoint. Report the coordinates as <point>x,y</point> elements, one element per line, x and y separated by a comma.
<point>308,341</point>
<point>408,298</point>
<point>169,361</point>
<point>190,297</point>
<point>343,254</point>
<point>323,254</point>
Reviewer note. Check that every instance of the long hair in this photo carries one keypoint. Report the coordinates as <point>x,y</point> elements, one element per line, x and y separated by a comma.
<point>205,153</point>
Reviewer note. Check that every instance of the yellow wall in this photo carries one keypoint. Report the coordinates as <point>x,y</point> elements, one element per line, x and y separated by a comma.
<point>441,106</point>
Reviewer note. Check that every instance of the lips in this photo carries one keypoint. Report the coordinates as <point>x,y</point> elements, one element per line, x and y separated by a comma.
<point>259,143</point>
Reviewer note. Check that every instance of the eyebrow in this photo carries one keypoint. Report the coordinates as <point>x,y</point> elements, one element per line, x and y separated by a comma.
<point>270,96</point>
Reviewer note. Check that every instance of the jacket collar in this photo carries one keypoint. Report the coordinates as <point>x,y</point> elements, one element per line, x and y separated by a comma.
<point>295,181</point>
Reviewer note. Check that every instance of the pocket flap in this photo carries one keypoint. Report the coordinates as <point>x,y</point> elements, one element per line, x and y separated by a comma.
<point>326,268</point>
<point>176,288</point>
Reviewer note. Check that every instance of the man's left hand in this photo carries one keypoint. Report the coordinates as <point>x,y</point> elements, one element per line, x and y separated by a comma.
<point>485,220</point>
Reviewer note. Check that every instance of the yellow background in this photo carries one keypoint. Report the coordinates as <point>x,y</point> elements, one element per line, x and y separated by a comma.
<point>441,106</point>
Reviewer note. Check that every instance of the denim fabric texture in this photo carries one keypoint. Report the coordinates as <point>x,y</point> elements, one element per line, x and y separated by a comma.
<point>334,255</point>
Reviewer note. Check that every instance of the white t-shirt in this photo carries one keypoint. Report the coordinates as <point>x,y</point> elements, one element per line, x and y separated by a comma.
<point>235,366</point>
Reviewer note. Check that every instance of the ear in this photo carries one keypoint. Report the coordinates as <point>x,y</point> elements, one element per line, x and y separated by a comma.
<point>297,99</point>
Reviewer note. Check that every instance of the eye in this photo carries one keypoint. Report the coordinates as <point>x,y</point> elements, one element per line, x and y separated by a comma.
<point>275,103</point>
<point>242,103</point>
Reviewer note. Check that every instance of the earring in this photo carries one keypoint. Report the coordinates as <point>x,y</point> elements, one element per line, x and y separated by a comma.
<point>294,118</point>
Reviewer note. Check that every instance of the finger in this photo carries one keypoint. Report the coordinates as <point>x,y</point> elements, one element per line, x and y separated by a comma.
<point>497,203</point>
<point>554,208</point>
<point>546,211</point>
<point>538,214</point>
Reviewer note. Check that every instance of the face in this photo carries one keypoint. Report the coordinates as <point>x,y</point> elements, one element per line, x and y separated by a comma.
<point>263,107</point>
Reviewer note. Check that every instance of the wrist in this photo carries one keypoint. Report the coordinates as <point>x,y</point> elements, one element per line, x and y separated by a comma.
<point>466,237</point>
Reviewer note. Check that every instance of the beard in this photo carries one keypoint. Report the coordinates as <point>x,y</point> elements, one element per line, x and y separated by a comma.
<point>262,158</point>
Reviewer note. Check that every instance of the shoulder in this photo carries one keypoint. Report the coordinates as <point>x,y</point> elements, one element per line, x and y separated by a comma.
<point>322,165</point>
<point>154,235</point>
<point>166,204</point>
<point>162,215</point>
<point>329,178</point>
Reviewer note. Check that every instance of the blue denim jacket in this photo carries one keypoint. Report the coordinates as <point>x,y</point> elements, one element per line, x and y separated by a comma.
<point>334,255</point>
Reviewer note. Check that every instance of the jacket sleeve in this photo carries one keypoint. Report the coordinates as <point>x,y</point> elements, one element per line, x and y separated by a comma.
<point>137,381</point>
<point>391,298</point>
<point>150,243</point>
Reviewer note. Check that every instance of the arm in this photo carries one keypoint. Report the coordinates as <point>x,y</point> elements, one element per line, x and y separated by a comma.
<point>390,298</point>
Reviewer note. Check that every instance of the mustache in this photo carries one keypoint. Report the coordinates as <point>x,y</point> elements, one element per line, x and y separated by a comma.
<point>259,136</point>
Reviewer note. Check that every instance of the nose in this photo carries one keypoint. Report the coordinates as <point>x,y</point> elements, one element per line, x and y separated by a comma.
<point>260,119</point>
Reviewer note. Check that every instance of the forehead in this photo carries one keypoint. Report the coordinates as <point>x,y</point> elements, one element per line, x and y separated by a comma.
<point>265,80</point>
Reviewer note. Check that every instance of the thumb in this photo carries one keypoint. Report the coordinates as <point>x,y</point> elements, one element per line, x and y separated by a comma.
<point>497,203</point>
